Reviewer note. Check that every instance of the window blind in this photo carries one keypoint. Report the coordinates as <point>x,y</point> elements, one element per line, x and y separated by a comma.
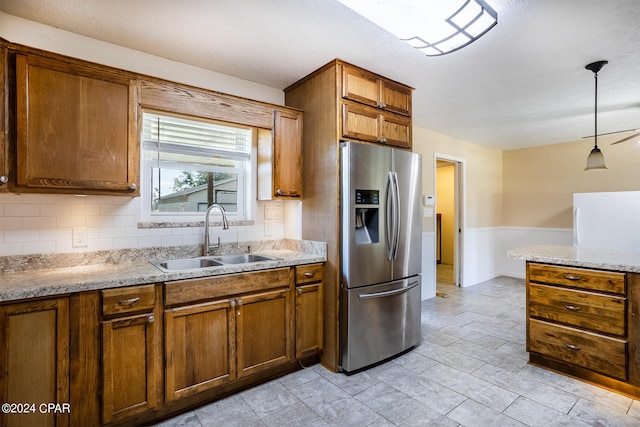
<point>197,138</point>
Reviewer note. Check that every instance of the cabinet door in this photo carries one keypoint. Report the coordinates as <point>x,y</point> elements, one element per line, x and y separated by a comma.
<point>129,368</point>
<point>199,348</point>
<point>4,120</point>
<point>263,328</point>
<point>308,319</point>
<point>395,97</point>
<point>360,86</point>
<point>34,360</point>
<point>395,131</point>
<point>77,128</point>
<point>287,154</point>
<point>360,122</point>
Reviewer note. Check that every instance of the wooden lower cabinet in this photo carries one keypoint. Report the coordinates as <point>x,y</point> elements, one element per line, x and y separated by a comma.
<point>263,330</point>
<point>130,353</point>
<point>34,362</point>
<point>583,322</point>
<point>199,347</point>
<point>309,306</point>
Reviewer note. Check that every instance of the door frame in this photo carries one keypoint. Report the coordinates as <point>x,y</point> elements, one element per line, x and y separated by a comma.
<point>459,212</point>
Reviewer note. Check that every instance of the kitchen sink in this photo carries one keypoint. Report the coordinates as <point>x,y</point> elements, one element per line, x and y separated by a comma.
<point>242,258</point>
<point>188,263</point>
<point>210,261</point>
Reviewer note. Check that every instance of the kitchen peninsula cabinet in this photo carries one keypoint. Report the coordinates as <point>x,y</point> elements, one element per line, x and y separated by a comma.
<point>34,361</point>
<point>76,128</point>
<point>585,322</point>
<point>131,352</point>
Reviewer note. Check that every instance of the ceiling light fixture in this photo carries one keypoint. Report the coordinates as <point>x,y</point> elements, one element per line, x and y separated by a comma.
<point>595,160</point>
<point>434,27</point>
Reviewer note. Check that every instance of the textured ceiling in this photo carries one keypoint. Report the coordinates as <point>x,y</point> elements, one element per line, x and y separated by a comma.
<point>522,84</point>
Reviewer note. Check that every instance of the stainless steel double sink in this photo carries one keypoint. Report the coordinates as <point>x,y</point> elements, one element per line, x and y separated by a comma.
<point>210,261</point>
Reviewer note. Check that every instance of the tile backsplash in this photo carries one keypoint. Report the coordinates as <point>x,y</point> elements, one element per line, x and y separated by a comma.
<point>42,223</point>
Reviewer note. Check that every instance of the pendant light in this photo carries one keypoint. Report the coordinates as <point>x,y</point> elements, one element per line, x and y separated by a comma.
<point>595,160</point>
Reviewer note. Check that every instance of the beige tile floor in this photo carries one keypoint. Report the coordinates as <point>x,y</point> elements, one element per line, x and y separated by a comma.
<point>469,370</point>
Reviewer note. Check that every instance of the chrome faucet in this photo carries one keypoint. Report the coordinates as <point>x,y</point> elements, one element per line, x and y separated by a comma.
<point>225,226</point>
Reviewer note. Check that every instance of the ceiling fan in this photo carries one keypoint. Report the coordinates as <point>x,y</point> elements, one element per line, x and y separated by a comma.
<point>595,67</point>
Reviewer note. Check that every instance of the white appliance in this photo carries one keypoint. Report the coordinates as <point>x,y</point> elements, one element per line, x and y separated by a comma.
<point>608,220</point>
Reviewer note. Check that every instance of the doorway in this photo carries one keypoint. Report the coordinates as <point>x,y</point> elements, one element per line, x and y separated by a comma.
<point>448,222</point>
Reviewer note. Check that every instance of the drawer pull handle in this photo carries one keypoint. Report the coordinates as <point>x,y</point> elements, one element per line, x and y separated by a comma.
<point>572,346</point>
<point>309,275</point>
<point>572,307</point>
<point>571,277</point>
<point>129,301</point>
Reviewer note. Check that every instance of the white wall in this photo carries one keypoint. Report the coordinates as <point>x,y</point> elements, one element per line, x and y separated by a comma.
<point>31,224</point>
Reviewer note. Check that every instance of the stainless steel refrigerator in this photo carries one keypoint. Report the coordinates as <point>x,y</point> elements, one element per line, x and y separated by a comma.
<point>381,251</point>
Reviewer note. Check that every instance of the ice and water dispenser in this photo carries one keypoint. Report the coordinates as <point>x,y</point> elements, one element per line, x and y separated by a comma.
<point>367,223</point>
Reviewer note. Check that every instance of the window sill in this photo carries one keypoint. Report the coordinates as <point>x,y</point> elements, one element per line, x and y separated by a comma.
<point>182,224</point>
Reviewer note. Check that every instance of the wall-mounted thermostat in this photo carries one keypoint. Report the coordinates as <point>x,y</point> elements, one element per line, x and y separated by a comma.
<point>428,200</point>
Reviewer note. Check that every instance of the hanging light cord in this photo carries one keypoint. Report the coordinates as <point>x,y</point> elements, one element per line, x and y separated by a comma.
<point>595,76</point>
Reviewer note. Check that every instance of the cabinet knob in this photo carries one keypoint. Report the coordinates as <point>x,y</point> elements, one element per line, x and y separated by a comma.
<point>239,302</point>
<point>132,186</point>
<point>382,140</point>
<point>382,105</point>
<point>151,319</point>
<point>279,192</point>
<point>300,291</point>
<point>4,179</point>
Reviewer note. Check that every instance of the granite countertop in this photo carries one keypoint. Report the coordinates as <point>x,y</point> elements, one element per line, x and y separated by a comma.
<point>25,277</point>
<point>601,259</point>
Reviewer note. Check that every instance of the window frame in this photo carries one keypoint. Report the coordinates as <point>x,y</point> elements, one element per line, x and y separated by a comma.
<point>246,194</point>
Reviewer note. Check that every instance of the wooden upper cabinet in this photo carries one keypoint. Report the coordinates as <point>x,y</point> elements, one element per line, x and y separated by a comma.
<point>76,128</point>
<point>280,157</point>
<point>367,88</point>
<point>375,109</point>
<point>287,147</point>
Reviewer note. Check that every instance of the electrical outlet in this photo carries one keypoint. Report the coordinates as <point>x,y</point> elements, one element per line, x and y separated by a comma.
<point>273,212</point>
<point>267,229</point>
<point>79,239</point>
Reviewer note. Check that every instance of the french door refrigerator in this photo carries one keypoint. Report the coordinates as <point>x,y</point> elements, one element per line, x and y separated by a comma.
<point>381,253</point>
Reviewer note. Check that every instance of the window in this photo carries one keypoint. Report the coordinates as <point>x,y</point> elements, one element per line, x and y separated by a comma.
<point>188,164</point>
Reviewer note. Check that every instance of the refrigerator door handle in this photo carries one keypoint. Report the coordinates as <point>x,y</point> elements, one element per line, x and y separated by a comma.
<point>398,215</point>
<point>389,293</point>
<point>389,227</point>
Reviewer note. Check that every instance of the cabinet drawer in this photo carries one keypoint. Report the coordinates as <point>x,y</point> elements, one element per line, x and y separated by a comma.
<point>598,312</point>
<point>206,288</point>
<point>589,350</point>
<point>309,273</point>
<point>128,300</point>
<point>605,281</point>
